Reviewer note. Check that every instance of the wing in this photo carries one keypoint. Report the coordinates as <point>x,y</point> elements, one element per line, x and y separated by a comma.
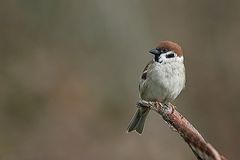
<point>144,76</point>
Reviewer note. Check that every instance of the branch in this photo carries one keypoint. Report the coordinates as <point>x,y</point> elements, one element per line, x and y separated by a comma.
<point>201,149</point>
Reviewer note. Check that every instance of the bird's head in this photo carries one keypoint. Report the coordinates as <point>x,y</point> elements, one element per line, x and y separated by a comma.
<point>167,52</point>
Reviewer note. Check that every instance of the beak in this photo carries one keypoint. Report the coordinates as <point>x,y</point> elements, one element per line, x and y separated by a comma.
<point>154,51</point>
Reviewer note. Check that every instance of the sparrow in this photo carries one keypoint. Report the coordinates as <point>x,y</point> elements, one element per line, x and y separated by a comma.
<point>162,80</point>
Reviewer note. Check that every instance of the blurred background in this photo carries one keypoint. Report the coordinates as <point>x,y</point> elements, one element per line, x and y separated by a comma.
<point>69,74</point>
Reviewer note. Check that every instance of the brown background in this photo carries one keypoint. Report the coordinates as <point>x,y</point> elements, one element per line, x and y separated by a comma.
<point>69,74</point>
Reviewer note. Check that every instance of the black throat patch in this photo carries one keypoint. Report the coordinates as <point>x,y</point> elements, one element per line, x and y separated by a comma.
<point>156,58</point>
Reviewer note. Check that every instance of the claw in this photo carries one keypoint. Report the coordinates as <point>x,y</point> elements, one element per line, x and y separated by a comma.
<point>143,103</point>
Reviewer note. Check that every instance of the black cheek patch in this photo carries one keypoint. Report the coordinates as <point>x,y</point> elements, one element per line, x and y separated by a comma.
<point>156,58</point>
<point>171,55</point>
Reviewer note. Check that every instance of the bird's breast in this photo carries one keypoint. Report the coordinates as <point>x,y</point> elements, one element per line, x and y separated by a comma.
<point>164,82</point>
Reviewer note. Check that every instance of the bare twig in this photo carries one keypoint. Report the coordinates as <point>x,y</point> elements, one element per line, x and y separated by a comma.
<point>201,149</point>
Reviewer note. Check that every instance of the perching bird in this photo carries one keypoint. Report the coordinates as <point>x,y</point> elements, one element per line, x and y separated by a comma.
<point>162,80</point>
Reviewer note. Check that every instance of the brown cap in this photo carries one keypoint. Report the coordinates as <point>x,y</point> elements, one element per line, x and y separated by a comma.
<point>171,46</point>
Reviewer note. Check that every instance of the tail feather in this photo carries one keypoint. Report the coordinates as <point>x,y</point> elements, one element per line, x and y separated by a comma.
<point>138,120</point>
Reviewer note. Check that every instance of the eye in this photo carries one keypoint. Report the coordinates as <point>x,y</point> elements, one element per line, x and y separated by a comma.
<point>164,50</point>
<point>171,55</point>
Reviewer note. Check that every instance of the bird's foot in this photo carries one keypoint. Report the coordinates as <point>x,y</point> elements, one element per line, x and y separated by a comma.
<point>143,103</point>
<point>149,104</point>
<point>170,107</point>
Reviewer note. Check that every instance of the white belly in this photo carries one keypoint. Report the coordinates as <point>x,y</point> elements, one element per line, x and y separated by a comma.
<point>164,82</point>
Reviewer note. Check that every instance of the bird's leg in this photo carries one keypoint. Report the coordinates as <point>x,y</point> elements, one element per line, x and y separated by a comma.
<point>166,106</point>
<point>149,104</point>
<point>143,103</point>
<point>169,106</point>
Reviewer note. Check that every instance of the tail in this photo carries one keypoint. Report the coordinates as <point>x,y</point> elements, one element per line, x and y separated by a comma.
<point>138,120</point>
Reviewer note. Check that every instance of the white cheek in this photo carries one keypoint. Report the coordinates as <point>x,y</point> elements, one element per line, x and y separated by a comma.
<point>162,58</point>
<point>169,60</point>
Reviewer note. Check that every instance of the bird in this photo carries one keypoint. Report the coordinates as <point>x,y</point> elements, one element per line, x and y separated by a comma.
<point>162,80</point>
